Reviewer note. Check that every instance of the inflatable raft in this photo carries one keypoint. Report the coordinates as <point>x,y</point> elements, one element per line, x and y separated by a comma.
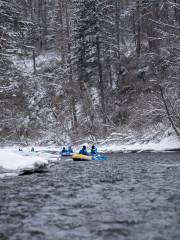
<point>66,154</point>
<point>81,157</point>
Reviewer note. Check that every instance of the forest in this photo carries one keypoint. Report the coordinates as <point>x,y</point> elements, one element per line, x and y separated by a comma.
<point>84,69</point>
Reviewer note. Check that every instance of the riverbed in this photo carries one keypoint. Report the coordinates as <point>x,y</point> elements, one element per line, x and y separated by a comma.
<point>133,196</point>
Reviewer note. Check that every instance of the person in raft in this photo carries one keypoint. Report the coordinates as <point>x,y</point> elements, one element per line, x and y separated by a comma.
<point>70,150</point>
<point>94,150</point>
<point>83,151</point>
<point>32,149</point>
<point>64,150</point>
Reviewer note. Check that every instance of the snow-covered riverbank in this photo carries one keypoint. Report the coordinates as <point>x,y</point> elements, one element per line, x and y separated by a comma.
<point>170,143</point>
<point>123,143</point>
<point>12,159</point>
<point>13,162</point>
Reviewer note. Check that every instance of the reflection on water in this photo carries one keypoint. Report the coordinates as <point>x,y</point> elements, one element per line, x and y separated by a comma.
<point>131,196</point>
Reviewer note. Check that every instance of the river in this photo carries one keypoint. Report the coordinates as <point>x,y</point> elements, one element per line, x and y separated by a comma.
<point>130,196</point>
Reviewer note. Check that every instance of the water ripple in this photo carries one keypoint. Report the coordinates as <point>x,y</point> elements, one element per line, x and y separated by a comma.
<point>131,196</point>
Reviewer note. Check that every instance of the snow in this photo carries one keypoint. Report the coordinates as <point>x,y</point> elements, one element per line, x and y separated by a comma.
<point>166,144</point>
<point>14,161</point>
<point>26,65</point>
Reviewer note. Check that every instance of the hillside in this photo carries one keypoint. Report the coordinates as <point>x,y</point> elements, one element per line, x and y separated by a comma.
<point>83,70</point>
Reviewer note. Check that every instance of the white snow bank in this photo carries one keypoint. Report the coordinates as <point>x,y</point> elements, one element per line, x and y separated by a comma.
<point>166,144</point>
<point>16,161</point>
<point>26,65</point>
<point>37,149</point>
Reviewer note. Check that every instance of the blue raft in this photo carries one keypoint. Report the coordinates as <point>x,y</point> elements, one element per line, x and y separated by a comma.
<point>99,157</point>
<point>66,154</point>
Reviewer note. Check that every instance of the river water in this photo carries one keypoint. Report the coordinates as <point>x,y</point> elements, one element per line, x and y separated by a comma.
<point>130,196</point>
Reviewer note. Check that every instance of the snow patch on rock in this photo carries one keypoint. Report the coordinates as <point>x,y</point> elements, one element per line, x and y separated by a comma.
<point>16,161</point>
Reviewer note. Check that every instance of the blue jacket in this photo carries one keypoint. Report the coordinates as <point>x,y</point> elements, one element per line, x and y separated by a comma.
<point>84,152</point>
<point>94,151</point>
<point>70,150</point>
<point>64,151</point>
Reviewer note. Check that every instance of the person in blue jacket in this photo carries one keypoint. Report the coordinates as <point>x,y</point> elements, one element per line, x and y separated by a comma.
<point>94,150</point>
<point>70,150</point>
<point>64,150</point>
<point>83,151</point>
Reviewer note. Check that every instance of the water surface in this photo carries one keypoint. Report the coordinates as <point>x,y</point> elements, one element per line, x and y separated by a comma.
<point>131,196</point>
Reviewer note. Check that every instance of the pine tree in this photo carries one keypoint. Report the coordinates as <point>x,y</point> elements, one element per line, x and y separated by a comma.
<point>93,37</point>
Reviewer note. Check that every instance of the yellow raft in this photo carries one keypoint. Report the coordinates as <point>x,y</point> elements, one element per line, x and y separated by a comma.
<point>81,157</point>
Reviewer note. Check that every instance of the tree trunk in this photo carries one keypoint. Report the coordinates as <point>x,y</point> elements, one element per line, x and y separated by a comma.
<point>72,98</point>
<point>101,82</point>
<point>44,21</point>
<point>177,10</point>
<point>138,35</point>
<point>117,7</point>
<point>61,33</point>
<point>152,33</point>
<point>34,62</point>
<point>168,113</point>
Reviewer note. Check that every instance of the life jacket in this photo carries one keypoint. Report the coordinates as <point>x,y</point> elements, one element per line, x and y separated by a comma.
<point>84,152</point>
<point>94,151</point>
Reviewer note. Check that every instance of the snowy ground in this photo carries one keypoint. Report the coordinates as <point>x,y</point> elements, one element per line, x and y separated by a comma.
<point>26,65</point>
<point>167,144</point>
<point>12,161</point>
<point>122,143</point>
